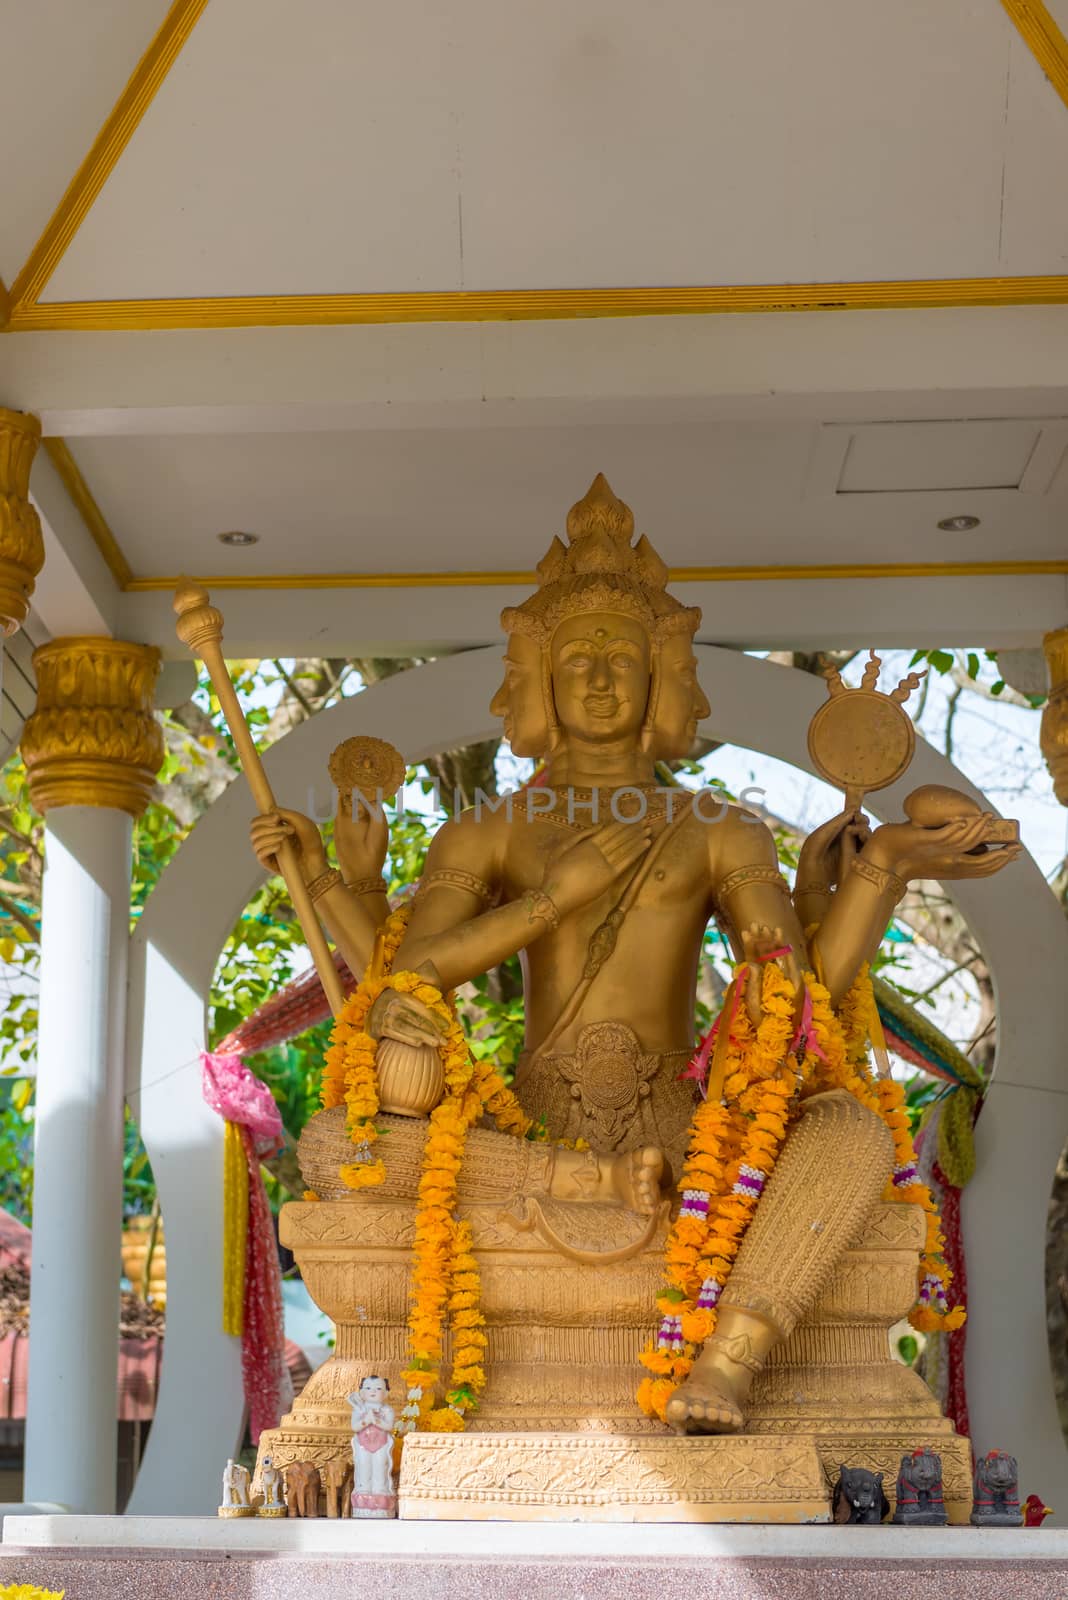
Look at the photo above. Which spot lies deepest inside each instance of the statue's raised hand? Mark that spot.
(594, 863)
(270, 830)
(955, 850)
(361, 835)
(830, 848)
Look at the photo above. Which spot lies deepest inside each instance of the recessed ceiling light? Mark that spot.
(237, 539)
(958, 524)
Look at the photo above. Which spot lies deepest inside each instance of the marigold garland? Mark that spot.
(733, 1148)
(445, 1277)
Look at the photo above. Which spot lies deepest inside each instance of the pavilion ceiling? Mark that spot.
(349, 163)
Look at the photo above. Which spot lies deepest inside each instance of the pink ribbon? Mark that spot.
(698, 1067)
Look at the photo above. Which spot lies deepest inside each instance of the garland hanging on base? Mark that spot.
(735, 1141)
(445, 1278)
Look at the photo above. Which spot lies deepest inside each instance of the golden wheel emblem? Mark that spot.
(860, 739)
(373, 766)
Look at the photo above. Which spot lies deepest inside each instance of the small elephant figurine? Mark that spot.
(996, 1492)
(859, 1497)
(302, 1489)
(337, 1486)
(920, 1501)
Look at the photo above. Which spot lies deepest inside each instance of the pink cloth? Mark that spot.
(372, 1437)
(239, 1096)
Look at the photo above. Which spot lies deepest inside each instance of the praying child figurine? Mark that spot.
(373, 1420)
(235, 1498)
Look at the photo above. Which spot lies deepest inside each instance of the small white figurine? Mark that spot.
(373, 1420)
(235, 1485)
(274, 1495)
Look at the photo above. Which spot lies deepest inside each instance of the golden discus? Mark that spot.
(373, 766)
(860, 739)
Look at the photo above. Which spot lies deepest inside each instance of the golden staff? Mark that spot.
(200, 626)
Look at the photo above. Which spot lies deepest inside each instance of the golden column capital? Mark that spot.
(94, 739)
(1053, 735)
(21, 545)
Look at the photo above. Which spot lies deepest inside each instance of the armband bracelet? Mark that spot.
(371, 885)
(814, 887)
(741, 877)
(324, 883)
(541, 907)
(880, 878)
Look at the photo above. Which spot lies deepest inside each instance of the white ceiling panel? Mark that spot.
(1035, 208)
(490, 499)
(63, 64)
(358, 147)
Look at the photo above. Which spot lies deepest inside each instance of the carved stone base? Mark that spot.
(598, 1477)
(564, 1331)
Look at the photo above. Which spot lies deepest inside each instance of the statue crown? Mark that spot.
(599, 569)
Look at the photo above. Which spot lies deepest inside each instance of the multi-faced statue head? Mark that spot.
(606, 653)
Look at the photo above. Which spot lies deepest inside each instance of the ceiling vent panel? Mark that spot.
(904, 457)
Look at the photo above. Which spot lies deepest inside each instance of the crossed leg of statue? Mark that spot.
(830, 1174)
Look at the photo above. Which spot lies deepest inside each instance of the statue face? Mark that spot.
(373, 1389)
(601, 676)
(520, 700)
(681, 703)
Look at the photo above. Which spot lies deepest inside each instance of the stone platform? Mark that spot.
(203, 1558)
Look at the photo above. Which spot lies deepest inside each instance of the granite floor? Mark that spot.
(102, 1574)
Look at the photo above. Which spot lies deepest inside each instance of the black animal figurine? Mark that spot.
(995, 1492)
(920, 1503)
(859, 1497)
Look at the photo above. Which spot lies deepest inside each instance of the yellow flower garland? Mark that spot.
(445, 1277)
(734, 1145)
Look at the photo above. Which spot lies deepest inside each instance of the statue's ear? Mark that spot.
(879, 1480)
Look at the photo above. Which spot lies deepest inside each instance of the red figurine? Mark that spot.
(1035, 1511)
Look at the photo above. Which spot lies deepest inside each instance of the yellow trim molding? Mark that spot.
(107, 147)
(90, 512)
(523, 305)
(482, 580)
(1044, 39)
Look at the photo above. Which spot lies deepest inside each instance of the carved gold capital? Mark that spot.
(93, 739)
(21, 546)
(1053, 735)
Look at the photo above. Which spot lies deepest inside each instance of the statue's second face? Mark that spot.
(681, 703)
(600, 673)
(520, 700)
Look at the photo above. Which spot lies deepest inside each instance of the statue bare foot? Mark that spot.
(631, 1179)
(705, 1403)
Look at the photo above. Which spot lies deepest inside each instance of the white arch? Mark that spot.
(445, 704)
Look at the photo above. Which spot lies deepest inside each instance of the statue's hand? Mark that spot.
(269, 831)
(361, 836)
(830, 848)
(593, 864)
(758, 942)
(956, 850)
(404, 1018)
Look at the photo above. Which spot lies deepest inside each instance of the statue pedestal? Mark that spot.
(604, 1477)
(564, 1325)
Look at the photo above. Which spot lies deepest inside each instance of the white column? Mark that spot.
(71, 1435)
(92, 748)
